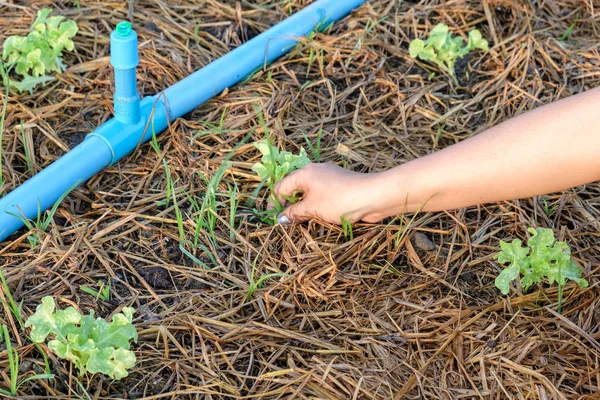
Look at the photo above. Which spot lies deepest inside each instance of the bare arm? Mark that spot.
(549, 149)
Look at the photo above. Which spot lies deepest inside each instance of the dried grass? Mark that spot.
(366, 318)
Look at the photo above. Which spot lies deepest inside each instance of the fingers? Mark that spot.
(295, 213)
(296, 181)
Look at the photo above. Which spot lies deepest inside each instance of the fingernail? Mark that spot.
(283, 220)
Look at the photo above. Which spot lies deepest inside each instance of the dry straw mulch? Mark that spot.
(405, 309)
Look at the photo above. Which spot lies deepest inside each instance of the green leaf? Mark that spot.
(112, 362)
(35, 63)
(260, 170)
(12, 45)
(276, 165)
(29, 83)
(53, 22)
(439, 30)
(39, 24)
(68, 29)
(429, 54)
(264, 147)
(572, 272)
(45, 321)
(299, 161)
(476, 41)
(23, 66)
(416, 47)
(457, 42)
(60, 38)
(280, 172)
(514, 254)
(116, 334)
(438, 36)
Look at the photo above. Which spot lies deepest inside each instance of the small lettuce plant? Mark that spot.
(543, 257)
(92, 344)
(443, 50)
(40, 52)
(275, 165)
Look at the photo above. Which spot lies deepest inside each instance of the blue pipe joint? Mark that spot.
(124, 58)
(122, 138)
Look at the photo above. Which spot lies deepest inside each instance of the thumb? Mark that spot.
(295, 213)
(295, 181)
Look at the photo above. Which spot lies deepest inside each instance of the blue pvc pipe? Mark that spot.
(187, 94)
(119, 136)
(75, 167)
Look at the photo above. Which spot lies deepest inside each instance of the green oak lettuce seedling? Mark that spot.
(544, 257)
(275, 164)
(40, 52)
(443, 49)
(92, 344)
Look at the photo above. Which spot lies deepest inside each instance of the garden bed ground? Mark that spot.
(406, 308)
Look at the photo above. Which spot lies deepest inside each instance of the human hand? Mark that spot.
(329, 193)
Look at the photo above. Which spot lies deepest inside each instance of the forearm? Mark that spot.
(552, 148)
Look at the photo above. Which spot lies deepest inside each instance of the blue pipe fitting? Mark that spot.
(122, 138)
(106, 145)
(124, 58)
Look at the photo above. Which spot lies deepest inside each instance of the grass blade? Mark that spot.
(57, 204)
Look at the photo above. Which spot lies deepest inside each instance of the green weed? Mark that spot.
(214, 129)
(258, 284)
(390, 269)
(568, 31)
(178, 216)
(233, 204)
(209, 203)
(12, 305)
(347, 228)
(13, 364)
(17, 310)
(315, 150)
(103, 293)
(305, 85)
(549, 210)
(193, 257)
(169, 186)
(26, 149)
(6, 80)
(40, 224)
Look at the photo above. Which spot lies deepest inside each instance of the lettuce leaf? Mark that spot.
(276, 164)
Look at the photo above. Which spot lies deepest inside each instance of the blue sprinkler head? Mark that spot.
(124, 58)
